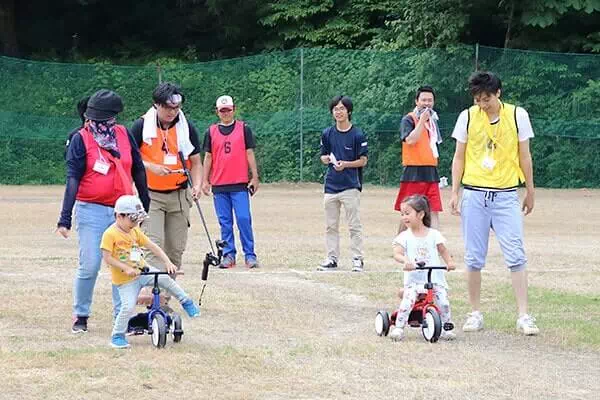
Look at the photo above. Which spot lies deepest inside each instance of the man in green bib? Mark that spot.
(491, 160)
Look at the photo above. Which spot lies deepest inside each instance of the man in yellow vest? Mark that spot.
(161, 134)
(492, 158)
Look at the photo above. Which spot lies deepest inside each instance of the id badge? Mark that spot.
(135, 255)
(488, 163)
(101, 167)
(170, 159)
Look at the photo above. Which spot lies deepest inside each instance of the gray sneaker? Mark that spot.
(328, 265)
(358, 265)
(227, 262)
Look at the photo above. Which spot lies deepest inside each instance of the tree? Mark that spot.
(327, 23)
(424, 24)
(8, 33)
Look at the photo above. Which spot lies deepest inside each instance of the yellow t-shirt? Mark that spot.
(120, 245)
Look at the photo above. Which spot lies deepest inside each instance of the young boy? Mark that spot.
(121, 250)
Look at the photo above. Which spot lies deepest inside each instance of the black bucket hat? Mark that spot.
(103, 105)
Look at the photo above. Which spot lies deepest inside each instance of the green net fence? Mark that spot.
(284, 95)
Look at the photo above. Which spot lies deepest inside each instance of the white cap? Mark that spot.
(224, 102)
(130, 205)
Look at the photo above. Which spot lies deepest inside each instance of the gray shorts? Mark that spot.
(483, 210)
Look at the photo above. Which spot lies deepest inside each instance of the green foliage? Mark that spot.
(423, 23)
(547, 12)
(329, 23)
(560, 92)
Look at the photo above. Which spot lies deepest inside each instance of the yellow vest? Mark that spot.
(500, 142)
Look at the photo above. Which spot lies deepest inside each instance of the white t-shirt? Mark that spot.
(523, 126)
(422, 249)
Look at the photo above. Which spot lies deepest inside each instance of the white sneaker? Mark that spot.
(397, 334)
(447, 335)
(526, 325)
(474, 322)
(358, 265)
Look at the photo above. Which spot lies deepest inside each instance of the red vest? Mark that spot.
(419, 153)
(229, 161)
(95, 187)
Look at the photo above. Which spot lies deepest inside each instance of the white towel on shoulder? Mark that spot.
(435, 137)
(181, 128)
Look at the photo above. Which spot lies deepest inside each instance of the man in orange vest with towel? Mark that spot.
(420, 138)
(161, 134)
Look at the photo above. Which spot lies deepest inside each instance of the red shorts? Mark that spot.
(431, 190)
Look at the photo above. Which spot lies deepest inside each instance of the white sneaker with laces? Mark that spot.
(397, 334)
(526, 325)
(358, 265)
(447, 335)
(474, 322)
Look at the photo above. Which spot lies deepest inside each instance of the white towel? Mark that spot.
(181, 128)
(435, 137)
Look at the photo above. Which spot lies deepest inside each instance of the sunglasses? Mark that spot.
(225, 110)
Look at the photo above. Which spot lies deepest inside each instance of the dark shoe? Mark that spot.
(327, 265)
(79, 325)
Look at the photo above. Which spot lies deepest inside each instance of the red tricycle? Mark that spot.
(425, 313)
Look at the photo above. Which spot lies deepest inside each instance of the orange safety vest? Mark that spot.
(419, 153)
(164, 142)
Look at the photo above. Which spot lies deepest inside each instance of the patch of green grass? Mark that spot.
(564, 318)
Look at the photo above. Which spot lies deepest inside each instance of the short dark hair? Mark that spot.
(424, 89)
(164, 91)
(82, 107)
(484, 82)
(346, 101)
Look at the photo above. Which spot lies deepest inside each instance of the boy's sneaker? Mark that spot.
(526, 325)
(79, 325)
(190, 308)
(358, 265)
(227, 262)
(447, 335)
(119, 342)
(327, 265)
(474, 322)
(397, 334)
(251, 262)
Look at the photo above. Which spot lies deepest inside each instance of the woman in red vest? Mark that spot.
(102, 161)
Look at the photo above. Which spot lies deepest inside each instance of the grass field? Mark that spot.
(286, 331)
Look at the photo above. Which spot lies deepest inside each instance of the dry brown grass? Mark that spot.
(286, 331)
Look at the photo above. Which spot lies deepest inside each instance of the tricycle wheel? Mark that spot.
(432, 325)
(159, 331)
(382, 323)
(177, 328)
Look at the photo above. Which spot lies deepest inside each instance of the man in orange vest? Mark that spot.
(420, 138)
(161, 134)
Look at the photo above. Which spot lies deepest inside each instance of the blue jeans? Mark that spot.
(226, 203)
(91, 220)
(128, 293)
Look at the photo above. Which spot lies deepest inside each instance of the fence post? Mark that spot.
(159, 72)
(477, 56)
(301, 114)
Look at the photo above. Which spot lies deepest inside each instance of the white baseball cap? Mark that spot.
(131, 206)
(224, 102)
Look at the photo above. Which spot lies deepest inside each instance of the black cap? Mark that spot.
(103, 105)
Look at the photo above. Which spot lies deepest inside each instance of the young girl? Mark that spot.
(420, 243)
(121, 249)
